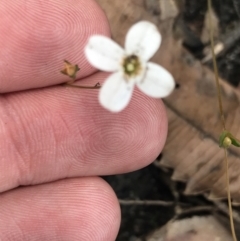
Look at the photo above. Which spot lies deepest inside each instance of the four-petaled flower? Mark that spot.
(130, 66)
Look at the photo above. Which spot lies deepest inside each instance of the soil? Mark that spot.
(150, 183)
(145, 184)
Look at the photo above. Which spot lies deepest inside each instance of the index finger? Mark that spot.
(36, 36)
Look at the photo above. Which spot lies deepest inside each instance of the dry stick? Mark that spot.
(145, 202)
(229, 197)
(224, 209)
(226, 42)
(216, 69)
(97, 86)
(222, 120)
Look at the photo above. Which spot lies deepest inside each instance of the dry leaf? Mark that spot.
(192, 229)
(168, 9)
(194, 124)
(206, 26)
(194, 128)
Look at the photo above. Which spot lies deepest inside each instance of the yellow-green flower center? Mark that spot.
(227, 142)
(131, 65)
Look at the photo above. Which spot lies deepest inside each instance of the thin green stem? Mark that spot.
(215, 67)
(229, 196)
(97, 86)
(222, 119)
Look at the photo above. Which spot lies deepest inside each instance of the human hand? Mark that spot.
(55, 140)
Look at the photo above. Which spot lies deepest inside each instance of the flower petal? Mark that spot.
(103, 53)
(115, 93)
(158, 82)
(143, 39)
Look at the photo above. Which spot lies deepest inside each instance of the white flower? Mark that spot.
(130, 66)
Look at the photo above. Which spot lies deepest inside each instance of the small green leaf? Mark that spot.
(222, 137)
(234, 140)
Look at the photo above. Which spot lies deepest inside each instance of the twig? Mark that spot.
(224, 208)
(215, 68)
(146, 202)
(194, 209)
(227, 42)
(229, 197)
(96, 86)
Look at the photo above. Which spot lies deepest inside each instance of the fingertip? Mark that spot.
(72, 209)
(72, 129)
(38, 36)
(132, 138)
(152, 128)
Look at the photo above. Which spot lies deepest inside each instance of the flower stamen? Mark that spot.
(131, 65)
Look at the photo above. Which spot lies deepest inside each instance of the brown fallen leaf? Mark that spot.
(194, 127)
(194, 124)
(192, 229)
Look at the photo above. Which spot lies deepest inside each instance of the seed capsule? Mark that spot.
(227, 142)
(226, 139)
(70, 69)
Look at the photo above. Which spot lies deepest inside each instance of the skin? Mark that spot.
(56, 140)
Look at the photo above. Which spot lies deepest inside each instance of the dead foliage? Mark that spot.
(194, 125)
